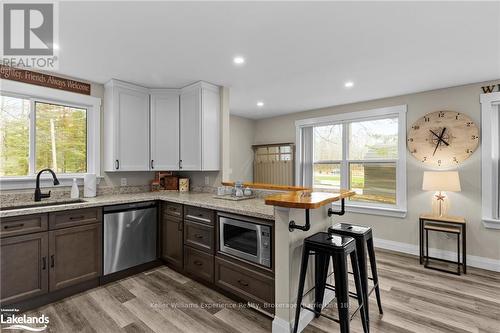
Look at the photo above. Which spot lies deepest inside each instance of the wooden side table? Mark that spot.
(453, 223)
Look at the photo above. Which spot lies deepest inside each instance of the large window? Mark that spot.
(490, 159)
(362, 151)
(46, 128)
(38, 135)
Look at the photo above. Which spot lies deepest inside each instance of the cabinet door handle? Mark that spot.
(44, 263)
(52, 261)
(180, 164)
(81, 217)
(117, 164)
(179, 226)
(152, 164)
(243, 283)
(198, 236)
(12, 226)
(198, 263)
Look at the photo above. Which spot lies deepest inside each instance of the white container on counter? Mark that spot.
(75, 193)
(89, 185)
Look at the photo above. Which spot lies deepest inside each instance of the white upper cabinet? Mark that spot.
(164, 118)
(200, 127)
(126, 127)
(161, 129)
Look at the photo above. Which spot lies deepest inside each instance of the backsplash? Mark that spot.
(10, 197)
(57, 193)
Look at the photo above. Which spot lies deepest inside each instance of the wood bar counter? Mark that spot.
(306, 199)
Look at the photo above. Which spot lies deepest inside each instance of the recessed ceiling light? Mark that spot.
(349, 84)
(239, 60)
(260, 104)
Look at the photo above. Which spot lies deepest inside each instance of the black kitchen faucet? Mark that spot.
(38, 194)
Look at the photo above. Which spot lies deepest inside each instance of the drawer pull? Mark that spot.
(243, 283)
(81, 217)
(44, 263)
(198, 263)
(198, 236)
(52, 261)
(198, 218)
(12, 226)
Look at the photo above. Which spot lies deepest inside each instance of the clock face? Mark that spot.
(443, 138)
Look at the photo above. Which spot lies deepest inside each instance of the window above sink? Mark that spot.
(47, 128)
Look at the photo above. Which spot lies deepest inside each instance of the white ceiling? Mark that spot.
(298, 54)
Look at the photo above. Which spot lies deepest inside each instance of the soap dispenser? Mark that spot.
(75, 193)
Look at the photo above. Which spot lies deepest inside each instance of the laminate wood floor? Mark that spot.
(414, 300)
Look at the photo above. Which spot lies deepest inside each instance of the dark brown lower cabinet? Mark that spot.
(248, 284)
(74, 255)
(172, 241)
(199, 264)
(24, 267)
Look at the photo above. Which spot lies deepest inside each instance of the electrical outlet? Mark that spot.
(123, 182)
(207, 180)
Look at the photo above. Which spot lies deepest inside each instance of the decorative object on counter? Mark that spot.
(168, 181)
(443, 138)
(183, 184)
(234, 197)
(221, 190)
(441, 181)
(248, 192)
(238, 189)
(89, 185)
(155, 185)
(75, 193)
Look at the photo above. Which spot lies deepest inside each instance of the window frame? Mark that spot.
(53, 96)
(490, 159)
(399, 111)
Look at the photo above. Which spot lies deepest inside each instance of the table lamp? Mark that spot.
(440, 182)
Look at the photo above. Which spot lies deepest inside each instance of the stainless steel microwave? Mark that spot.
(245, 238)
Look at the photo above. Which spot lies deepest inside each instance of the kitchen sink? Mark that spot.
(41, 204)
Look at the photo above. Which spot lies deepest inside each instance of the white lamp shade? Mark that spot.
(441, 181)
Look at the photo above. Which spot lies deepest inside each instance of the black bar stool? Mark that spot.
(364, 240)
(325, 246)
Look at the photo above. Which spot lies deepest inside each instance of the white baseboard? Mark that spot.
(473, 261)
(283, 326)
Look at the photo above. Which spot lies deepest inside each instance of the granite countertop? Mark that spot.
(251, 207)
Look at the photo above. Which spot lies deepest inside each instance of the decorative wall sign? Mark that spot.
(491, 88)
(443, 138)
(44, 80)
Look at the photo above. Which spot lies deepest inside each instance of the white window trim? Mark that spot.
(490, 159)
(93, 105)
(398, 210)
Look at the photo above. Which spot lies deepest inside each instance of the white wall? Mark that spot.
(242, 133)
(481, 242)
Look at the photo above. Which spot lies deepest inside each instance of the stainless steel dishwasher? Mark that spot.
(130, 234)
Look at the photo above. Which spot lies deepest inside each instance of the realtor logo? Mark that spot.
(30, 35)
(28, 29)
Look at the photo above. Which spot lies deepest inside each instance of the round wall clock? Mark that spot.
(443, 138)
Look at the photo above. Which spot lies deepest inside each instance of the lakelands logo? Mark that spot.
(29, 35)
(33, 324)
